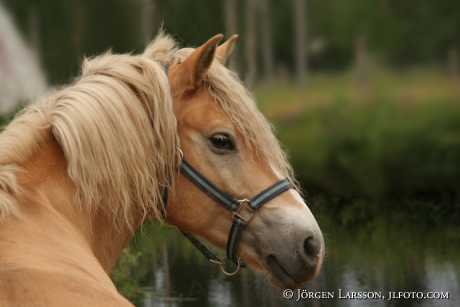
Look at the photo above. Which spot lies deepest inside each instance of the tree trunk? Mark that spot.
(148, 10)
(361, 65)
(300, 31)
(250, 42)
(453, 64)
(266, 35)
(231, 27)
(78, 26)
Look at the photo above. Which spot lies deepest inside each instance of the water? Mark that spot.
(379, 258)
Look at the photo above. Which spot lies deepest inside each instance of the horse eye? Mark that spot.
(222, 142)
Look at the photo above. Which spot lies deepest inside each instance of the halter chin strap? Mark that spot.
(243, 211)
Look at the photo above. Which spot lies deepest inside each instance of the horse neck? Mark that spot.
(50, 219)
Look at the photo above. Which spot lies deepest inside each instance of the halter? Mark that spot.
(242, 210)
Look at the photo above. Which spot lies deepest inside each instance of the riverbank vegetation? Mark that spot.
(390, 144)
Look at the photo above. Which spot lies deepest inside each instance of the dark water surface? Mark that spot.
(379, 258)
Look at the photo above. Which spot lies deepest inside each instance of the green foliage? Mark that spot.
(400, 32)
(125, 277)
(377, 149)
(397, 32)
(395, 150)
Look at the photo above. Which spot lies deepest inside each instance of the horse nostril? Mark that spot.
(311, 246)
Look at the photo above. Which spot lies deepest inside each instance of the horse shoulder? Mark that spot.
(36, 288)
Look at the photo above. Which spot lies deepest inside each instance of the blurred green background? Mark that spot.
(364, 96)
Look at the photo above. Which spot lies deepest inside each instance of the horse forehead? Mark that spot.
(202, 110)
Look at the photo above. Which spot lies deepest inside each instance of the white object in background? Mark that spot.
(21, 77)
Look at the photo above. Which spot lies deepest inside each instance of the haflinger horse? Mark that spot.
(170, 134)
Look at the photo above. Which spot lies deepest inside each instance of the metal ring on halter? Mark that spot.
(223, 269)
(218, 262)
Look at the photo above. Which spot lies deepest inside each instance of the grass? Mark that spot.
(410, 88)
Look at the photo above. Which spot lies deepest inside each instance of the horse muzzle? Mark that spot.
(289, 245)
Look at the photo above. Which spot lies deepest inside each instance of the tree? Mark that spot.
(300, 26)
(250, 42)
(78, 23)
(231, 27)
(361, 65)
(148, 9)
(453, 64)
(267, 38)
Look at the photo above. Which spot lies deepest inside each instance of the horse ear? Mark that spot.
(225, 50)
(196, 65)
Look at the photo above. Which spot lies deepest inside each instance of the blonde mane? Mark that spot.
(236, 102)
(117, 130)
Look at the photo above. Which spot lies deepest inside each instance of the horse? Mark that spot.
(84, 167)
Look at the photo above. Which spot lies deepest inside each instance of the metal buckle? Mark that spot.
(244, 212)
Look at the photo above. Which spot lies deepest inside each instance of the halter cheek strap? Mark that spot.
(243, 211)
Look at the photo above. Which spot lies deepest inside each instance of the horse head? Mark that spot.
(230, 145)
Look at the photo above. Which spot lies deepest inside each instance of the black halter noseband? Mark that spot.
(243, 211)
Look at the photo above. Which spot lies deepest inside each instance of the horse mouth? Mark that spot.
(279, 275)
